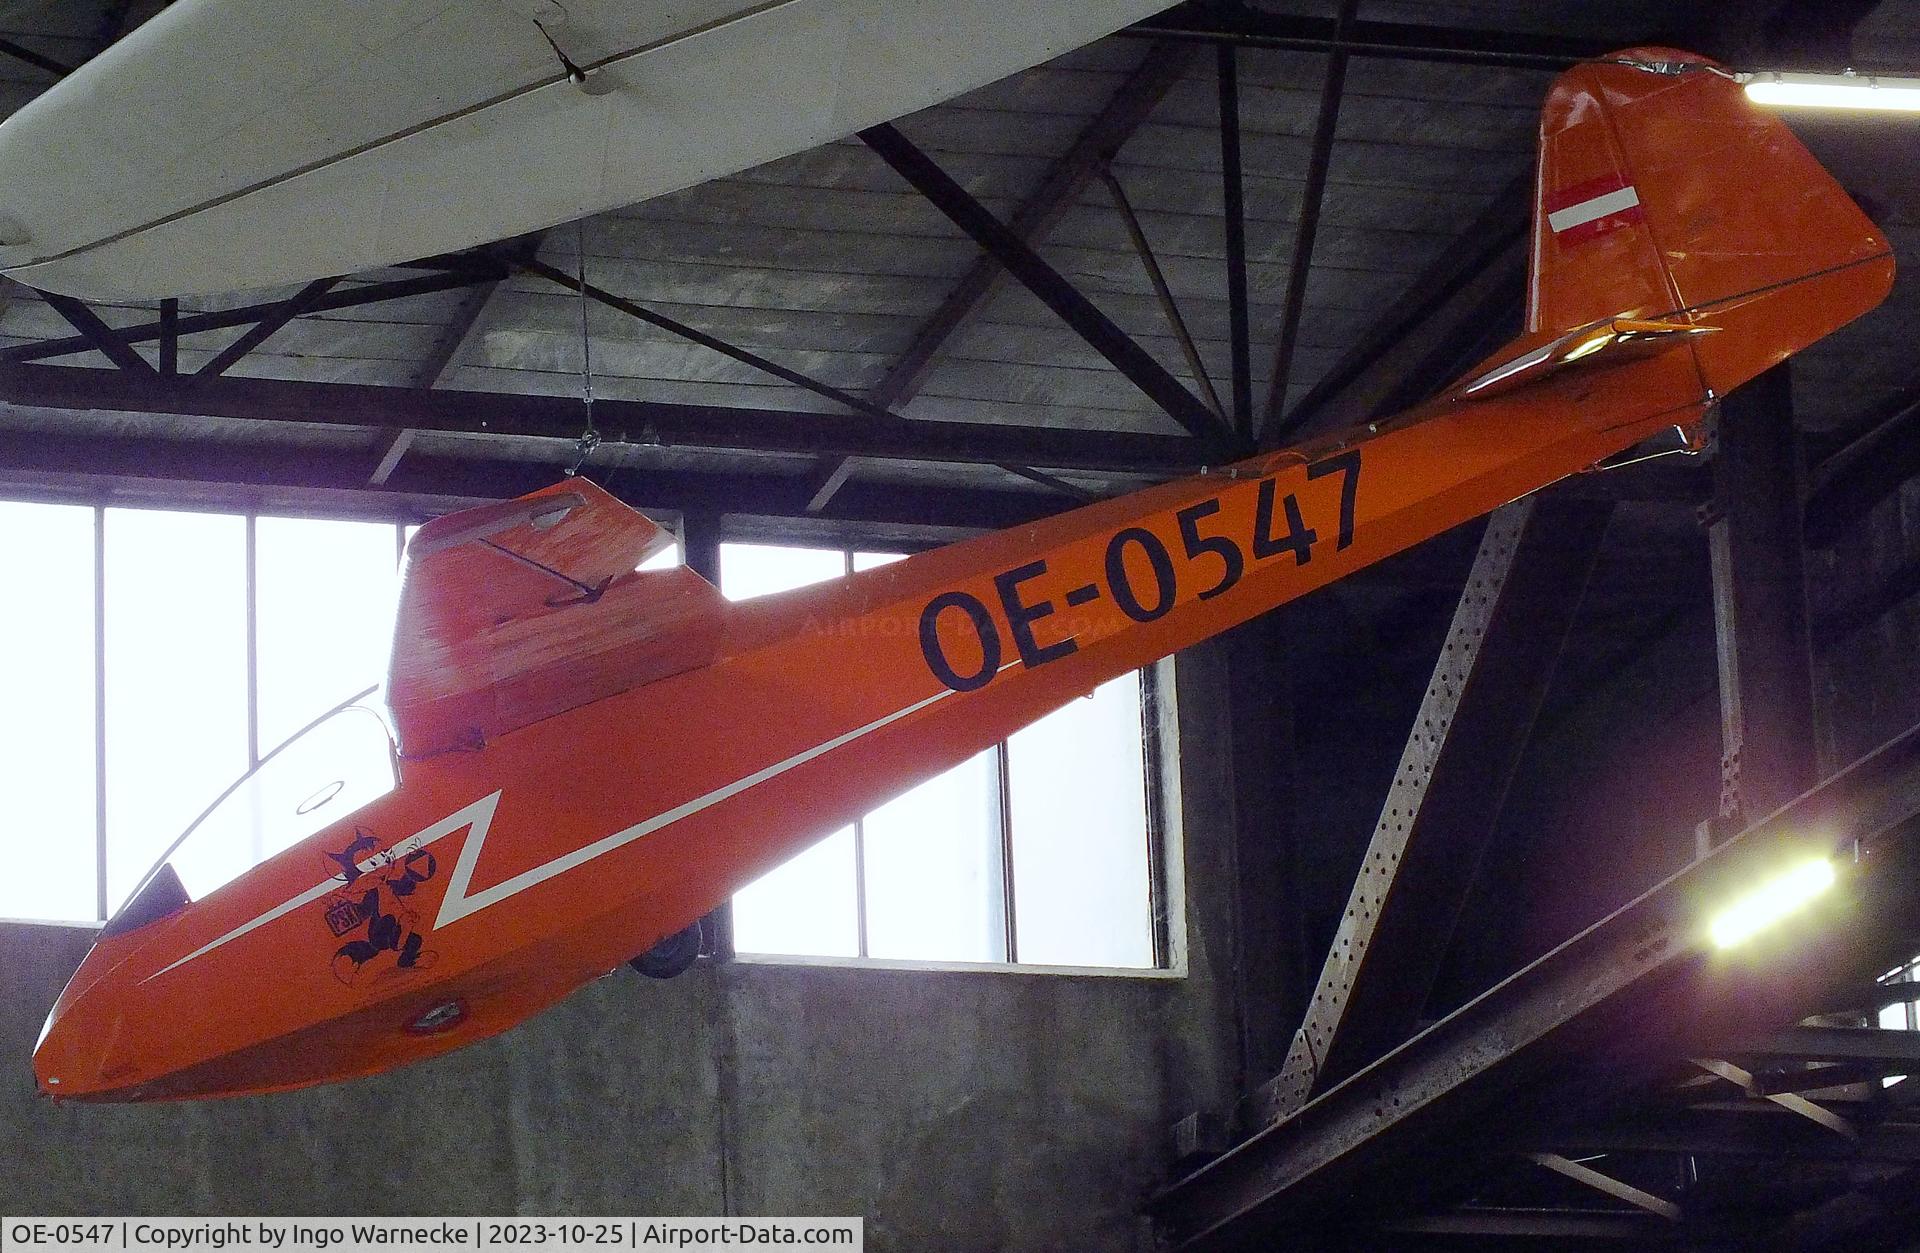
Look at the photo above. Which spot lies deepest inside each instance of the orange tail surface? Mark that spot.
(1671, 212)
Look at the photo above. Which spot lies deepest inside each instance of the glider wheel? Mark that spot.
(671, 956)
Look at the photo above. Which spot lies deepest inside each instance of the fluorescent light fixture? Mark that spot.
(1835, 91)
(1782, 895)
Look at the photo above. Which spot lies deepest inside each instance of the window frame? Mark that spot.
(104, 906)
(1166, 880)
(1905, 972)
(1165, 886)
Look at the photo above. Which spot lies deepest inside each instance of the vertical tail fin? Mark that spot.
(1666, 200)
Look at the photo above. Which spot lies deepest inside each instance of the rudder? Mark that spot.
(1664, 195)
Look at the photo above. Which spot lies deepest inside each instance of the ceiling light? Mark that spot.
(1834, 91)
(1784, 894)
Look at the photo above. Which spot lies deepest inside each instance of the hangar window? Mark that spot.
(157, 656)
(1899, 1008)
(1038, 851)
(153, 657)
(1901, 1014)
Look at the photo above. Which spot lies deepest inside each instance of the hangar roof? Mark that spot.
(829, 265)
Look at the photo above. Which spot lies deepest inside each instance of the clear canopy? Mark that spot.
(324, 772)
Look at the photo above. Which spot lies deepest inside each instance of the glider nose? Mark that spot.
(74, 1055)
(63, 1064)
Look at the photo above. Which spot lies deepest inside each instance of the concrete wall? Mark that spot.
(953, 1109)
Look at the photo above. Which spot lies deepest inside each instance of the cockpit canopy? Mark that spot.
(337, 764)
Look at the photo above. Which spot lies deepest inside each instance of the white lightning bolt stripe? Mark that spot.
(457, 904)
(479, 815)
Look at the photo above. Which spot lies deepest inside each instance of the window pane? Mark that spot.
(46, 691)
(935, 883)
(750, 570)
(176, 678)
(1901, 1015)
(803, 907)
(328, 772)
(934, 886)
(806, 907)
(326, 601)
(667, 558)
(1078, 793)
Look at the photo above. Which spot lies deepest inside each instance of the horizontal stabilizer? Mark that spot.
(1610, 341)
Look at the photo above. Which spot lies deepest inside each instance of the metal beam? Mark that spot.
(1272, 962)
(1394, 362)
(1848, 485)
(1618, 1003)
(1056, 192)
(246, 315)
(467, 312)
(1169, 307)
(1051, 198)
(96, 335)
(1872, 996)
(1793, 1103)
(1753, 1129)
(170, 336)
(1307, 226)
(391, 451)
(1053, 290)
(1836, 621)
(1832, 1044)
(647, 424)
(831, 477)
(180, 474)
(1233, 195)
(1760, 601)
(1878, 1212)
(20, 52)
(446, 347)
(1052, 483)
(1439, 815)
(1243, 24)
(267, 327)
(1801, 1078)
(1607, 1185)
(712, 343)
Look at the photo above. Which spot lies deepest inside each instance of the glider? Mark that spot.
(588, 758)
(230, 144)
